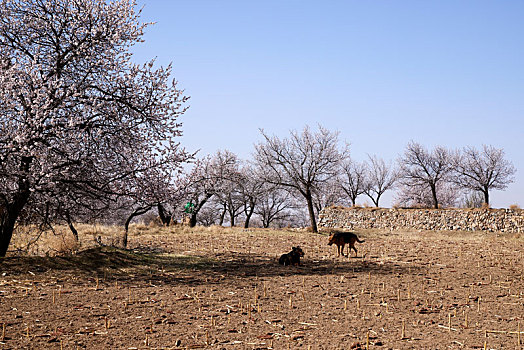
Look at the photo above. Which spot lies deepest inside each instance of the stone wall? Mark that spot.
(502, 220)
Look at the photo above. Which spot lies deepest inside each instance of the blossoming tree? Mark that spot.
(77, 116)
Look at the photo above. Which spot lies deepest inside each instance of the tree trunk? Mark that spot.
(137, 212)
(249, 212)
(434, 194)
(248, 218)
(165, 217)
(7, 224)
(71, 227)
(126, 230)
(375, 201)
(231, 218)
(311, 210)
(222, 216)
(196, 209)
(10, 213)
(486, 196)
(265, 223)
(231, 211)
(193, 220)
(8, 217)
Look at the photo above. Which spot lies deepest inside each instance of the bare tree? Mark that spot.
(300, 163)
(326, 194)
(226, 171)
(380, 178)
(213, 176)
(420, 168)
(483, 170)
(252, 187)
(353, 179)
(274, 205)
(151, 189)
(199, 187)
(234, 203)
(420, 196)
(160, 189)
(472, 199)
(209, 215)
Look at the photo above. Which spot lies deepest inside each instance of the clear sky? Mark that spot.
(382, 73)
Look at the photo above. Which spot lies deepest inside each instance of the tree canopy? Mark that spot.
(77, 117)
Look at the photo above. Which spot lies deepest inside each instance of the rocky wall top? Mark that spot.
(503, 220)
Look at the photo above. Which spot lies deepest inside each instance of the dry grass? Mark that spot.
(32, 241)
(29, 240)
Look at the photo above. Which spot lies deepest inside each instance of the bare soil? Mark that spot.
(225, 290)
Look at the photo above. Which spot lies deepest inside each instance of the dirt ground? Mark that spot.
(213, 289)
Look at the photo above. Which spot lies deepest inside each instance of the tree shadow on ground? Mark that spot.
(158, 266)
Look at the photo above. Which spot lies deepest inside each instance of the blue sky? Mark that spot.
(382, 73)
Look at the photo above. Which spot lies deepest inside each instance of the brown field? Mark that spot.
(210, 288)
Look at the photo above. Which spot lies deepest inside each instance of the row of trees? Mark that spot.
(86, 134)
(295, 177)
(436, 177)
